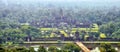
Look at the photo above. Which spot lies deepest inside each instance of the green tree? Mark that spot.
(31, 49)
(13, 49)
(42, 49)
(21, 49)
(106, 47)
(2, 49)
(108, 28)
(116, 34)
(71, 48)
(53, 49)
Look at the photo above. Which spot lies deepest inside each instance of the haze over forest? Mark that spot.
(21, 10)
(67, 3)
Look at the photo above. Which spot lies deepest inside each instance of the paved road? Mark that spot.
(83, 47)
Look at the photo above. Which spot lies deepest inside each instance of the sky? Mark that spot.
(70, 0)
(80, 0)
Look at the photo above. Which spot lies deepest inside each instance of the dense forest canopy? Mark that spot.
(26, 14)
(36, 12)
(58, 20)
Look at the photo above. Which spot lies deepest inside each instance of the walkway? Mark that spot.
(83, 47)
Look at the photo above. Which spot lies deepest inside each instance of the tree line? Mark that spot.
(65, 48)
(104, 47)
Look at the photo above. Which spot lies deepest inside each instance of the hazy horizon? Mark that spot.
(87, 3)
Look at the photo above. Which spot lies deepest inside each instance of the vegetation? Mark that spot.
(107, 48)
(104, 47)
(53, 49)
(71, 48)
(24, 21)
(111, 29)
(17, 33)
(42, 49)
(68, 47)
(44, 21)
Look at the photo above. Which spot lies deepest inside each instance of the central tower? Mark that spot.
(61, 14)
